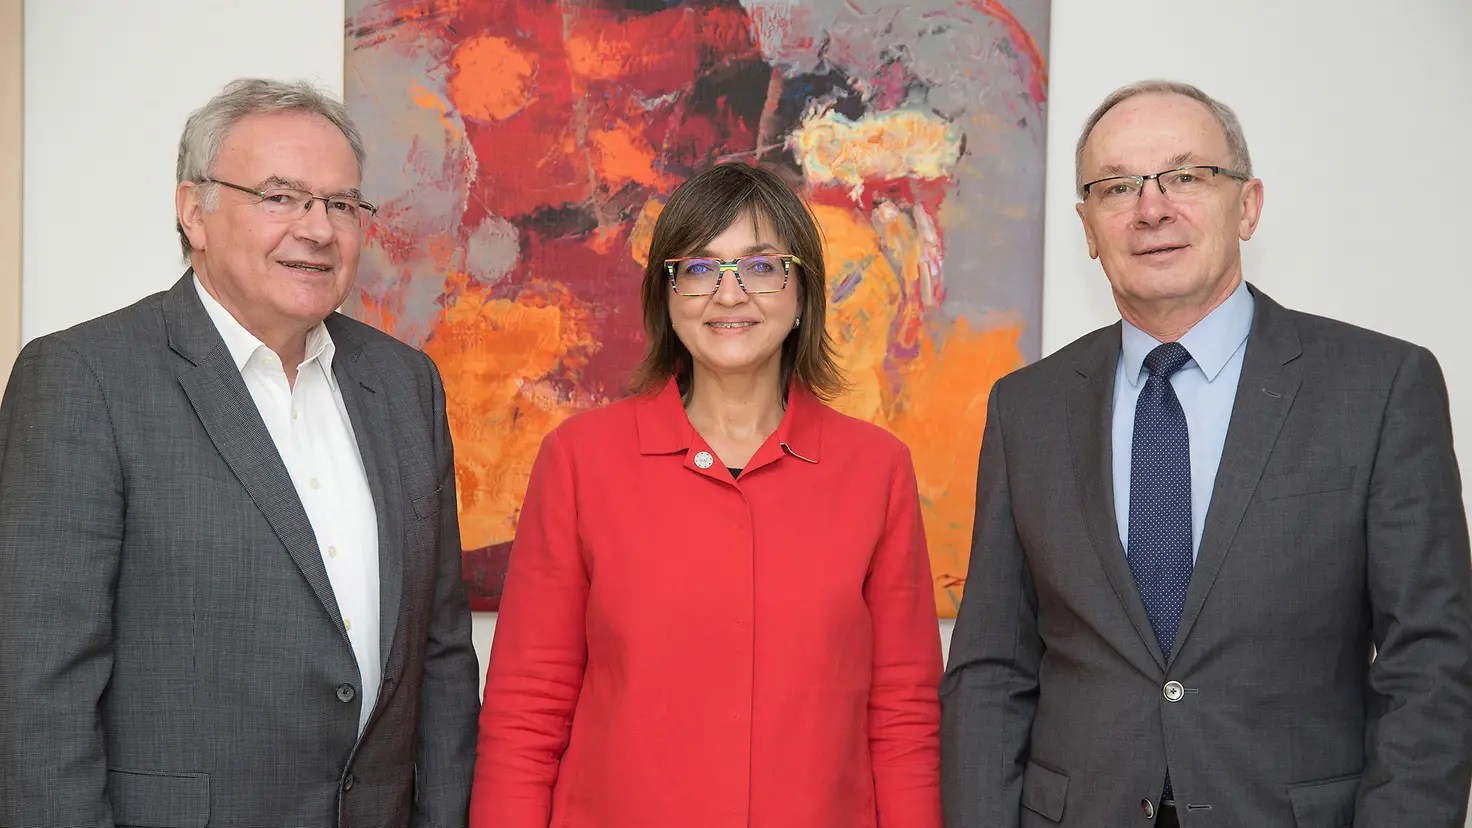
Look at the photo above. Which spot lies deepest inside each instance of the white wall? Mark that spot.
(107, 88)
(1359, 116)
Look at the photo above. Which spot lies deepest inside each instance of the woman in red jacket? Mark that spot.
(719, 610)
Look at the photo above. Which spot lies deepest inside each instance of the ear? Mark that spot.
(189, 211)
(1088, 231)
(1251, 205)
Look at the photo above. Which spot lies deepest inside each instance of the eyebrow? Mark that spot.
(760, 247)
(1175, 161)
(294, 184)
(278, 181)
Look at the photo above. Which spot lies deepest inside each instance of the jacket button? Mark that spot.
(1148, 808)
(1173, 691)
(345, 693)
(347, 782)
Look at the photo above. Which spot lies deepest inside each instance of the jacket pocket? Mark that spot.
(1044, 790)
(148, 799)
(427, 506)
(1328, 803)
(1306, 482)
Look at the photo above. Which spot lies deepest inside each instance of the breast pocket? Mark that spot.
(1306, 482)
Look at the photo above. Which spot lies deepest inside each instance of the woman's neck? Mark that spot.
(735, 413)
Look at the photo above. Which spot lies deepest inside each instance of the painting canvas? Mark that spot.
(521, 151)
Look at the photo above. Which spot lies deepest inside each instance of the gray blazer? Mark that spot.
(1336, 526)
(171, 653)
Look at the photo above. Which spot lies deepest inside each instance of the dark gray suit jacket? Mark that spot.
(171, 653)
(1336, 525)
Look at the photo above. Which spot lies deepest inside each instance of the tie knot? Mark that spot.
(1167, 359)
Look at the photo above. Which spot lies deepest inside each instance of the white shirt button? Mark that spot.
(316, 484)
(347, 624)
(704, 460)
(332, 551)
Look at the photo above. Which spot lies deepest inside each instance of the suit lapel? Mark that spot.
(368, 411)
(1090, 421)
(224, 405)
(1265, 393)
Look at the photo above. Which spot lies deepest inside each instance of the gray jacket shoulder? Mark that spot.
(1054, 374)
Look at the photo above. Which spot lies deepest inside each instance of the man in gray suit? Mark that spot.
(230, 584)
(1219, 574)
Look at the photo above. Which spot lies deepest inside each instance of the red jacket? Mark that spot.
(678, 648)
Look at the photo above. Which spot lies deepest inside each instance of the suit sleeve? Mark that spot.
(904, 713)
(990, 691)
(445, 755)
(1419, 740)
(61, 531)
(538, 658)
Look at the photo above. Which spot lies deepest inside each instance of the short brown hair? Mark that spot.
(698, 211)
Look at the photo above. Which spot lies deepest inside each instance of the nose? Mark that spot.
(1152, 207)
(730, 292)
(313, 224)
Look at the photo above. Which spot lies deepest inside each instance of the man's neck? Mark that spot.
(287, 341)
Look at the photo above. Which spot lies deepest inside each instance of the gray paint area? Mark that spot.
(963, 66)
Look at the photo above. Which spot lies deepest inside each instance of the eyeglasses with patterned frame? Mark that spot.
(701, 275)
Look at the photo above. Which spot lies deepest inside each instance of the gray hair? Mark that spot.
(1236, 140)
(208, 126)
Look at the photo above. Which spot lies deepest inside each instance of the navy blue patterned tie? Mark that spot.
(1160, 499)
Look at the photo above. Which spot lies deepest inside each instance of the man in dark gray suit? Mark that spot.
(230, 584)
(1219, 574)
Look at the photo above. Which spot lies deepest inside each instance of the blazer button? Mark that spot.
(1173, 691)
(347, 782)
(1148, 808)
(345, 693)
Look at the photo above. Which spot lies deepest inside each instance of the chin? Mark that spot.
(738, 363)
(1157, 286)
(312, 312)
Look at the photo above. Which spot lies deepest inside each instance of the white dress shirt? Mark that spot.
(309, 424)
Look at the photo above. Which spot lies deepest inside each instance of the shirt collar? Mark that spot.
(243, 344)
(664, 427)
(1211, 342)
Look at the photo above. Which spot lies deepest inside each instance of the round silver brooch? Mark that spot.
(704, 460)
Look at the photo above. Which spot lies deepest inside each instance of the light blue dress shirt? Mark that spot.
(1206, 387)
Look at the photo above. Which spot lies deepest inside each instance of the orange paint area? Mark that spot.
(924, 380)
(495, 356)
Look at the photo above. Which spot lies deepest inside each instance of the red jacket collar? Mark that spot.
(664, 428)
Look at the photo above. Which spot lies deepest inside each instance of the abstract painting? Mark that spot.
(521, 151)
